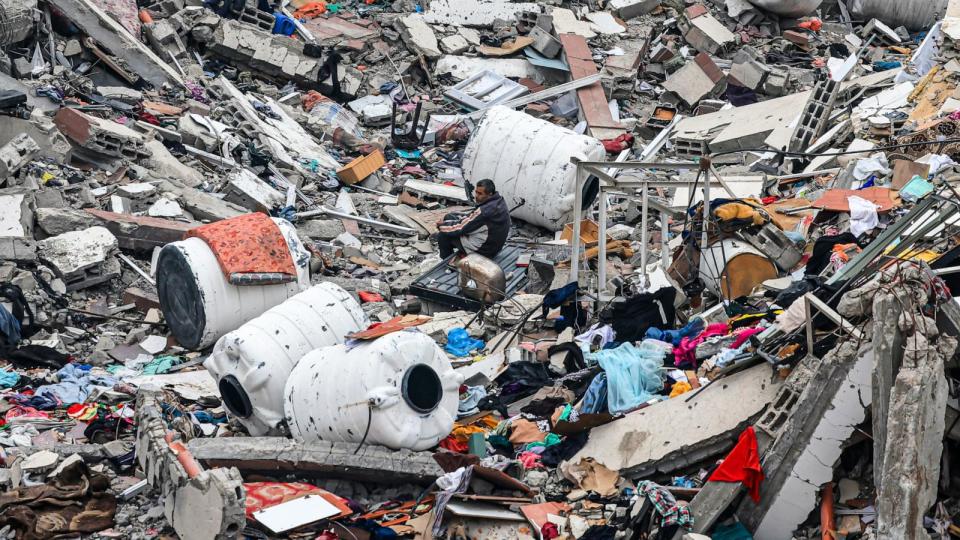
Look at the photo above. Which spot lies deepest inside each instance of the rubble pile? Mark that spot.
(478, 269)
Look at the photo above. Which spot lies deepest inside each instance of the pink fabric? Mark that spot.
(744, 335)
(684, 354)
(530, 460)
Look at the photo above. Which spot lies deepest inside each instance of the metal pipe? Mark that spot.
(324, 211)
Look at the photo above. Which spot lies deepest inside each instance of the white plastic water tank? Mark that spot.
(199, 304)
(398, 389)
(529, 159)
(788, 8)
(252, 363)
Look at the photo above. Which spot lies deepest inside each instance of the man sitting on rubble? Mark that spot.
(483, 231)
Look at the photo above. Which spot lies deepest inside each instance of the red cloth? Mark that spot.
(367, 296)
(549, 531)
(619, 144)
(247, 244)
(742, 464)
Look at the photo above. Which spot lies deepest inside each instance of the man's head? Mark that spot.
(484, 190)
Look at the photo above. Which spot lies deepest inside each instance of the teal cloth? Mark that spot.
(161, 364)
(8, 379)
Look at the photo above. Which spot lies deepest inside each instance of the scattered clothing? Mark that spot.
(633, 374)
(670, 512)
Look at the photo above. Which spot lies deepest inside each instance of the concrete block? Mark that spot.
(471, 35)
(100, 136)
(17, 249)
(121, 93)
(695, 80)
(628, 9)
(544, 42)
(138, 190)
(707, 34)
(749, 72)
(72, 253)
(56, 221)
(454, 44)
(418, 35)
(17, 153)
(246, 190)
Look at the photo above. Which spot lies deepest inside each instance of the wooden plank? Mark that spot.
(594, 107)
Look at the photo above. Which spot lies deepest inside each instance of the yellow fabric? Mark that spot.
(731, 211)
(462, 432)
(680, 387)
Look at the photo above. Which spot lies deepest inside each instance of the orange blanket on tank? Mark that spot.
(250, 248)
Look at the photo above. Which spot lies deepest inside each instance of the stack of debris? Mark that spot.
(479, 269)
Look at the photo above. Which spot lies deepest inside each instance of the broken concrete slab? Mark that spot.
(604, 23)
(463, 67)
(696, 80)
(641, 444)
(273, 455)
(566, 22)
(96, 23)
(56, 221)
(17, 153)
(476, 12)
(709, 35)
(418, 35)
(454, 44)
(246, 190)
(271, 55)
(74, 252)
(628, 9)
(101, 136)
(140, 233)
(16, 216)
(809, 440)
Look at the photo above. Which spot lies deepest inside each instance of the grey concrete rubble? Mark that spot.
(479, 268)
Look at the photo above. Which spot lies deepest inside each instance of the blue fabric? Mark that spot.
(673, 337)
(459, 342)
(633, 374)
(10, 326)
(8, 379)
(283, 25)
(595, 400)
(885, 65)
(75, 384)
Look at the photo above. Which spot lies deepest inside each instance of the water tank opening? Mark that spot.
(421, 388)
(235, 397)
(591, 188)
(180, 297)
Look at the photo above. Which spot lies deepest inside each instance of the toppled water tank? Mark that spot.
(529, 159)
(914, 14)
(788, 8)
(399, 390)
(200, 305)
(252, 363)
